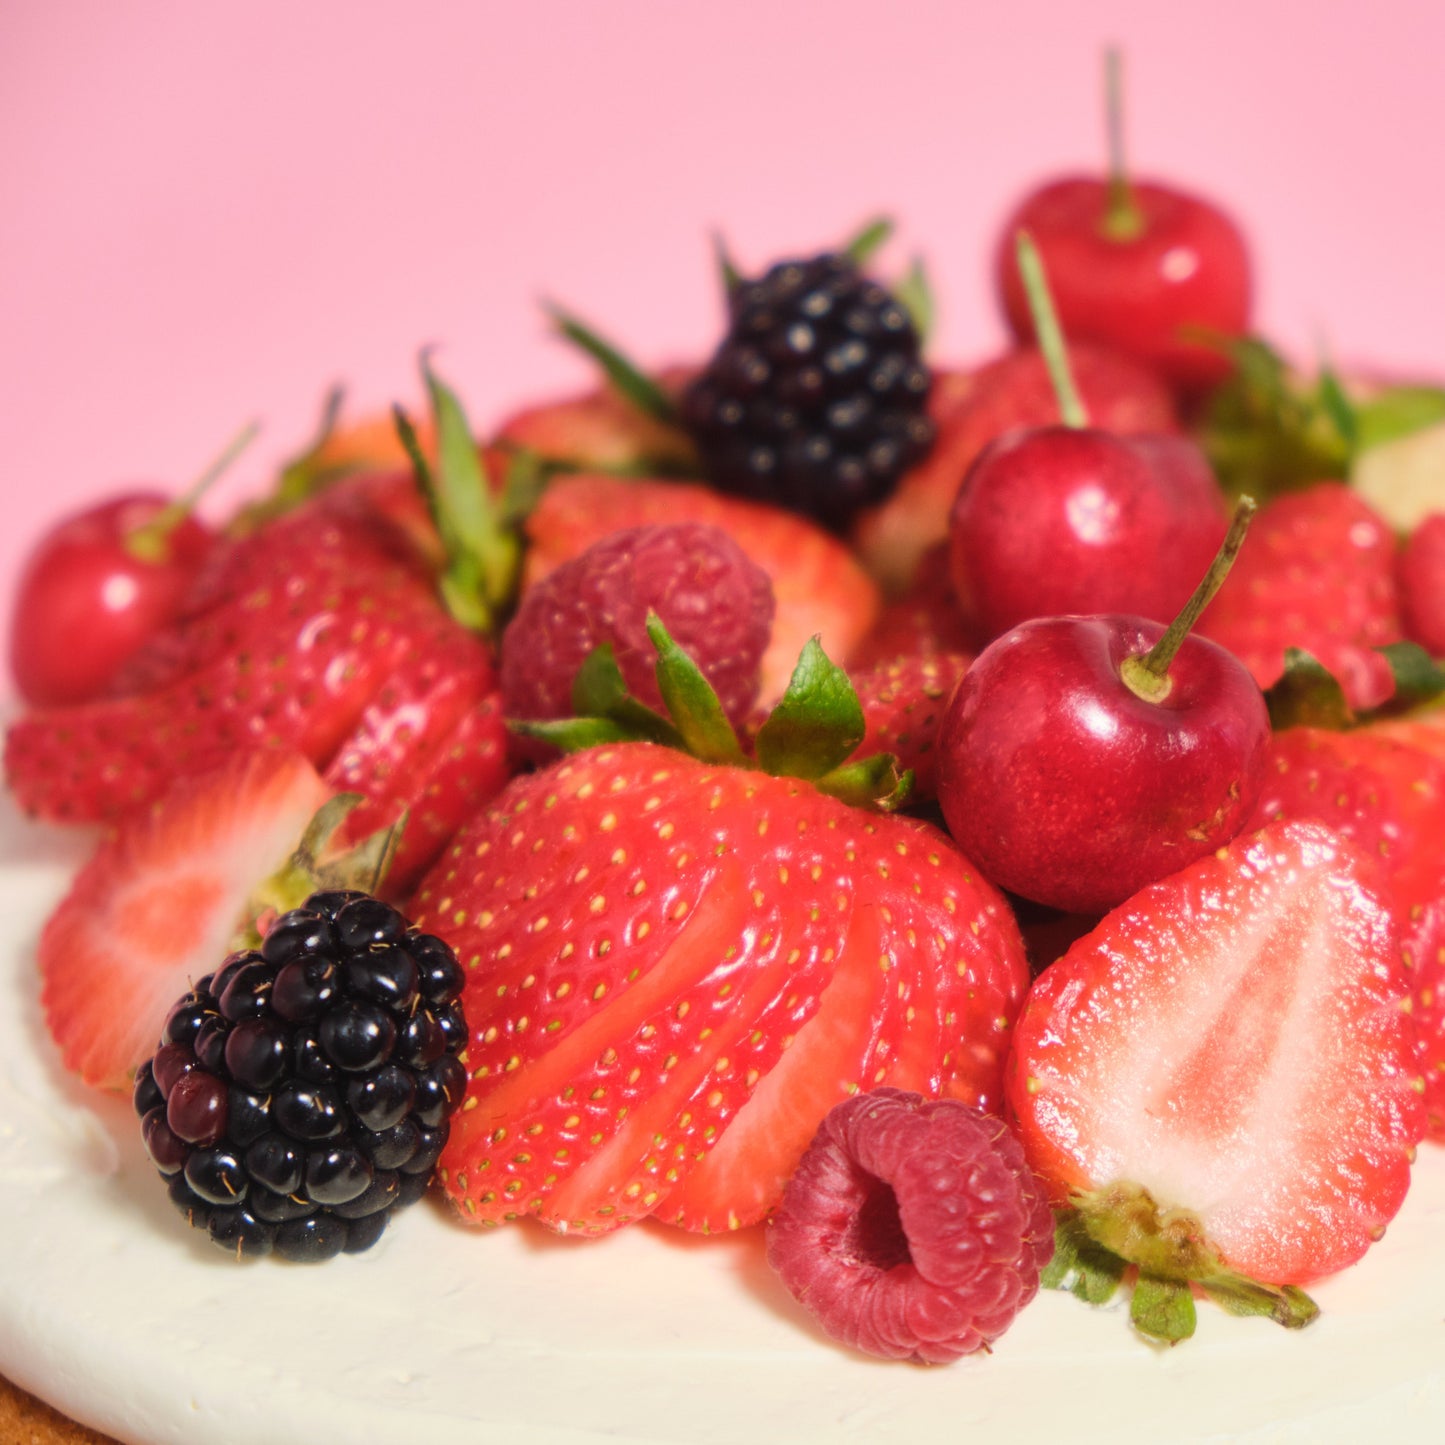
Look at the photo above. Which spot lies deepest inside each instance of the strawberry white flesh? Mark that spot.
(158, 903)
(1233, 1040)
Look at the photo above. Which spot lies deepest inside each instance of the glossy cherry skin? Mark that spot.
(1187, 267)
(86, 603)
(1066, 787)
(1059, 520)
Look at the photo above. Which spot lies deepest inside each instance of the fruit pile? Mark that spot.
(983, 824)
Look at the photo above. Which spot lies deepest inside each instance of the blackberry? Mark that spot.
(302, 1093)
(816, 399)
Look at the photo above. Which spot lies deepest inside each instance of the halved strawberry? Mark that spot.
(818, 585)
(647, 936)
(1221, 1077)
(157, 905)
(1317, 573)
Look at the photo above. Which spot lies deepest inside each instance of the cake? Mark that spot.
(440, 1332)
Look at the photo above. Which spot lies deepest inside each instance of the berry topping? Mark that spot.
(816, 398)
(714, 601)
(913, 1228)
(353, 1091)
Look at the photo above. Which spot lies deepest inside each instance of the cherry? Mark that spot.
(1060, 519)
(1136, 264)
(102, 582)
(1082, 758)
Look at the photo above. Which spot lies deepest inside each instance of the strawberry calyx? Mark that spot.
(483, 551)
(302, 476)
(310, 868)
(811, 733)
(1266, 431)
(1120, 1227)
(1308, 694)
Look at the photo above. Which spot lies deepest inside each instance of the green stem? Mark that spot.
(148, 542)
(1148, 676)
(1123, 221)
(1048, 331)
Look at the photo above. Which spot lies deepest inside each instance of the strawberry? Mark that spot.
(903, 704)
(1318, 573)
(818, 585)
(652, 940)
(922, 621)
(1221, 1076)
(158, 904)
(1383, 788)
(1422, 584)
(308, 619)
(603, 431)
(969, 410)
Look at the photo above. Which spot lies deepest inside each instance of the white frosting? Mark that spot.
(114, 1311)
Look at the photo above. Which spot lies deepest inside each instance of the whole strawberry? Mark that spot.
(1318, 574)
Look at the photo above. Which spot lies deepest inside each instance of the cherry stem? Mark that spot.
(1148, 676)
(1122, 218)
(1048, 331)
(148, 542)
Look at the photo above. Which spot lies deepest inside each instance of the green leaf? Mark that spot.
(818, 723)
(600, 691)
(731, 277)
(873, 782)
(1080, 1264)
(522, 487)
(864, 245)
(483, 552)
(1266, 433)
(1418, 677)
(573, 734)
(696, 712)
(915, 295)
(1162, 1309)
(1307, 694)
(1339, 408)
(1397, 412)
(1284, 1304)
(629, 380)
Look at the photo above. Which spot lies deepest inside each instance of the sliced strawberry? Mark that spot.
(818, 585)
(970, 409)
(648, 936)
(158, 903)
(408, 753)
(903, 705)
(1227, 1062)
(1317, 573)
(918, 1002)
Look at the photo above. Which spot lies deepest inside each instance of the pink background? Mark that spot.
(210, 212)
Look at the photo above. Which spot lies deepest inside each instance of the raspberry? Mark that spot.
(912, 1228)
(816, 399)
(715, 602)
(302, 1092)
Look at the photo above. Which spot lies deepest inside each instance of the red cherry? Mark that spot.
(101, 583)
(1134, 264)
(1187, 267)
(1082, 758)
(1071, 519)
(86, 602)
(1060, 520)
